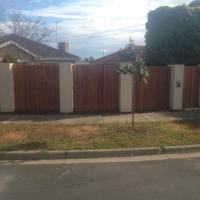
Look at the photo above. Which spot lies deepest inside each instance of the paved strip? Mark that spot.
(98, 119)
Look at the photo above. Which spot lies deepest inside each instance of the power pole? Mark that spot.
(56, 31)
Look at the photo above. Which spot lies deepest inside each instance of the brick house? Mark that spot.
(24, 49)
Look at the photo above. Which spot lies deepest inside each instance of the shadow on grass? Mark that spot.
(43, 117)
(190, 124)
(25, 146)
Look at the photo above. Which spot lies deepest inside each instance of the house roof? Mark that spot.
(35, 48)
(116, 57)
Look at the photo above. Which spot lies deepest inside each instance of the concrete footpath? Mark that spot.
(72, 119)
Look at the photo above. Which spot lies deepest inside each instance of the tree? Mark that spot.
(173, 36)
(9, 59)
(136, 68)
(89, 59)
(195, 3)
(28, 27)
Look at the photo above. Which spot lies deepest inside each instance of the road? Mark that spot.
(165, 178)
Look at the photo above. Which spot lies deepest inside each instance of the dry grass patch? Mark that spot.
(66, 137)
(13, 136)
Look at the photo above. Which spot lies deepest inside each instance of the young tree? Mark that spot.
(134, 67)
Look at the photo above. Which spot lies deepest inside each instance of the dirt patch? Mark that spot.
(14, 136)
(83, 131)
(76, 131)
(81, 134)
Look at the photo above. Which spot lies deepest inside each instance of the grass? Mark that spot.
(65, 137)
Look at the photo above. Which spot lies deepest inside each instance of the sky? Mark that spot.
(92, 27)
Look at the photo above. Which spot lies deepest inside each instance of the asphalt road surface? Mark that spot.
(165, 179)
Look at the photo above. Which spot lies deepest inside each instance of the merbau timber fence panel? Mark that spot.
(155, 95)
(96, 88)
(36, 88)
(191, 87)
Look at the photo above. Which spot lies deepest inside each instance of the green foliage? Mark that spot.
(136, 66)
(9, 59)
(173, 36)
(89, 59)
(195, 3)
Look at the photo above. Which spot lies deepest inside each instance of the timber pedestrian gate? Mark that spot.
(155, 95)
(191, 87)
(96, 88)
(36, 88)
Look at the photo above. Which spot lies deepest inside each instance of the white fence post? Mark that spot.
(7, 97)
(199, 92)
(176, 87)
(126, 93)
(66, 87)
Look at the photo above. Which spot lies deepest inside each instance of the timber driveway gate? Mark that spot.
(96, 88)
(36, 88)
(191, 87)
(155, 95)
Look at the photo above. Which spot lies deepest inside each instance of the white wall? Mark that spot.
(176, 93)
(126, 93)
(7, 100)
(66, 87)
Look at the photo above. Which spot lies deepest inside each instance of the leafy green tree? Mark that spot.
(173, 36)
(134, 67)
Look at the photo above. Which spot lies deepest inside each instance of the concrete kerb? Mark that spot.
(56, 155)
(180, 149)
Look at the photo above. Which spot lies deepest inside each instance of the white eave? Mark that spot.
(18, 46)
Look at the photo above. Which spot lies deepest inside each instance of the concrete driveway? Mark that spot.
(98, 119)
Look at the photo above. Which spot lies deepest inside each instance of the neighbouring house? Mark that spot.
(25, 50)
(116, 57)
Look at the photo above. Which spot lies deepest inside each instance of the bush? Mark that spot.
(173, 36)
(9, 59)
